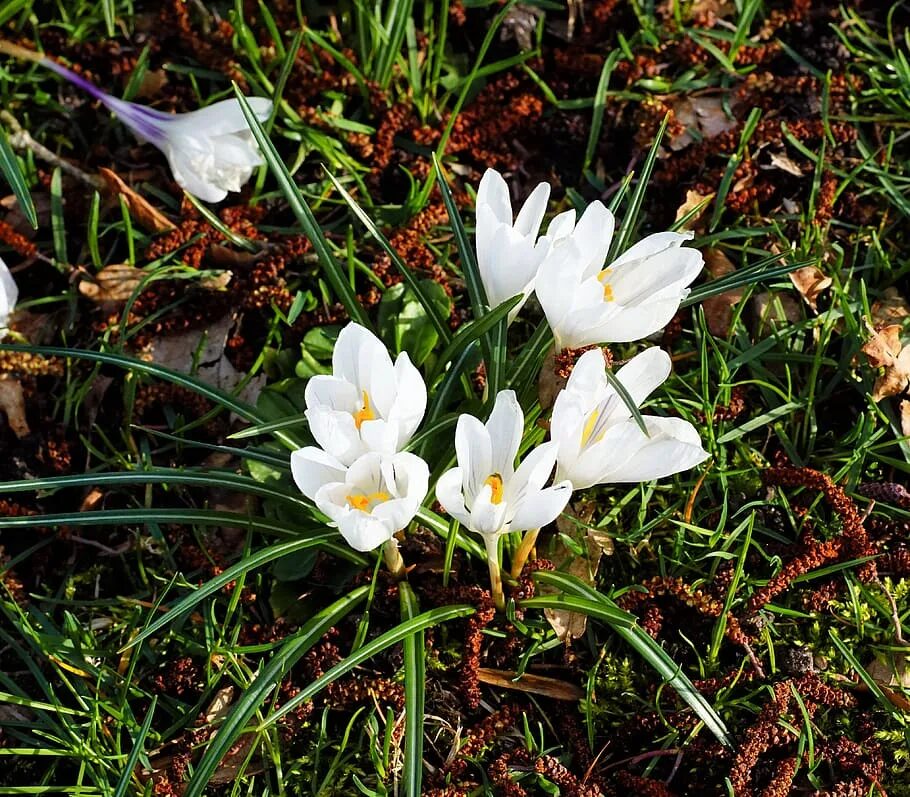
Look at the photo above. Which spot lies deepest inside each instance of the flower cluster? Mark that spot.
(363, 416)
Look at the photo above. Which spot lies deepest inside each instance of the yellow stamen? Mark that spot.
(363, 502)
(366, 414)
(495, 484)
(608, 289)
(589, 428)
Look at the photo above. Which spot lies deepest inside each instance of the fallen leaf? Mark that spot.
(884, 350)
(773, 310)
(810, 282)
(704, 117)
(892, 677)
(147, 216)
(218, 709)
(891, 308)
(12, 404)
(152, 83)
(780, 160)
(114, 283)
(905, 418)
(693, 200)
(535, 684)
(719, 309)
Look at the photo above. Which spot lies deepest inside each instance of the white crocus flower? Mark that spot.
(487, 494)
(368, 403)
(633, 297)
(9, 294)
(375, 497)
(599, 442)
(210, 151)
(509, 254)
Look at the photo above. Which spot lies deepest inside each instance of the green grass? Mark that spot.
(175, 614)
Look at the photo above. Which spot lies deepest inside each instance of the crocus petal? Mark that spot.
(186, 165)
(653, 245)
(410, 398)
(537, 509)
(533, 473)
(531, 214)
(331, 392)
(592, 236)
(475, 454)
(505, 427)
(336, 432)
(364, 532)
(673, 446)
(449, 493)
(363, 360)
(9, 294)
(222, 117)
(596, 462)
(493, 193)
(560, 226)
(487, 517)
(380, 436)
(312, 469)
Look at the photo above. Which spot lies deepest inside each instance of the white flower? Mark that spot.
(9, 294)
(485, 492)
(599, 441)
(636, 295)
(367, 404)
(369, 501)
(210, 151)
(508, 255)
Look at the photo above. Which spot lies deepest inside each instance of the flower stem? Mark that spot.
(491, 541)
(8, 48)
(393, 559)
(524, 551)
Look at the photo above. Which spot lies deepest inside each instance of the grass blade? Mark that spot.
(267, 680)
(9, 165)
(330, 266)
(221, 397)
(414, 674)
(124, 783)
(620, 388)
(647, 647)
(439, 323)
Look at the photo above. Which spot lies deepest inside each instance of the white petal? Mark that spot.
(9, 293)
(533, 473)
(653, 245)
(365, 473)
(588, 375)
(561, 225)
(363, 360)
(493, 193)
(537, 509)
(644, 373)
(531, 214)
(221, 117)
(505, 426)
(336, 432)
(600, 459)
(449, 493)
(330, 392)
(633, 323)
(410, 398)
(487, 517)
(592, 235)
(475, 454)
(364, 532)
(567, 422)
(189, 171)
(380, 436)
(312, 468)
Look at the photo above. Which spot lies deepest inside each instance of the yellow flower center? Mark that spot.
(365, 414)
(608, 288)
(495, 484)
(365, 503)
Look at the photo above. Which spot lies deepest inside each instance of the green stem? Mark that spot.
(491, 542)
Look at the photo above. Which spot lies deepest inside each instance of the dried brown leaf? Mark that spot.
(719, 309)
(704, 114)
(146, 215)
(114, 283)
(12, 404)
(535, 684)
(884, 350)
(780, 160)
(693, 200)
(810, 282)
(892, 308)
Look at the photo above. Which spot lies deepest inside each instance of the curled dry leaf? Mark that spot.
(703, 115)
(810, 282)
(893, 678)
(780, 160)
(719, 309)
(114, 283)
(884, 350)
(891, 308)
(12, 404)
(146, 215)
(534, 684)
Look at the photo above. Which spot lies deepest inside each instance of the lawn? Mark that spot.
(242, 553)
